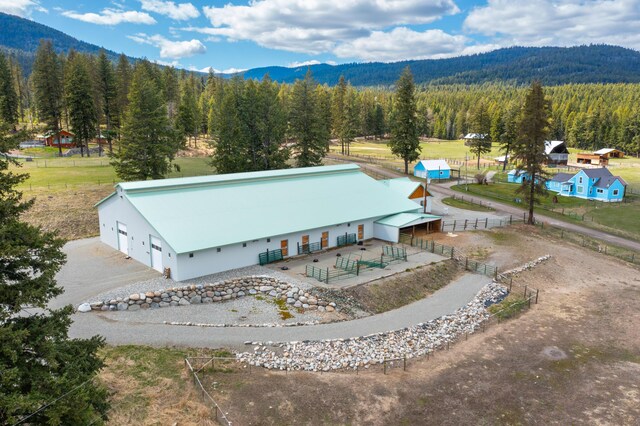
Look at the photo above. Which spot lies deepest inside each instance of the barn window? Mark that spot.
(218, 249)
(268, 240)
(244, 244)
(190, 254)
(348, 224)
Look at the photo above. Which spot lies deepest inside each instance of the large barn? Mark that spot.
(202, 225)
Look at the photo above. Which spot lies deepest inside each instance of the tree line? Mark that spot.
(261, 125)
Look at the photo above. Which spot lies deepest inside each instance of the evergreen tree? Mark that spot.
(379, 127)
(481, 122)
(271, 127)
(47, 82)
(8, 95)
(108, 92)
(308, 123)
(172, 93)
(230, 150)
(349, 122)
(38, 362)
(404, 141)
(528, 150)
(149, 142)
(187, 120)
(82, 113)
(337, 110)
(123, 83)
(509, 133)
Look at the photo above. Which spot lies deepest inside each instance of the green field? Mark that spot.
(462, 204)
(618, 218)
(62, 172)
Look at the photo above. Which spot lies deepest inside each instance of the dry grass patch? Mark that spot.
(151, 386)
(70, 212)
(400, 290)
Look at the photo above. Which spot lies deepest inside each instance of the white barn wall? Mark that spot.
(118, 209)
(386, 232)
(210, 261)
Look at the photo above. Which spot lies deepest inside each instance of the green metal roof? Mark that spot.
(213, 211)
(404, 186)
(404, 219)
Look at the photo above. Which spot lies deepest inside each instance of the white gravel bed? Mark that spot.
(161, 283)
(243, 311)
(363, 351)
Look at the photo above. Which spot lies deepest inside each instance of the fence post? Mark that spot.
(404, 362)
(486, 223)
(510, 219)
(525, 291)
(476, 225)
(466, 263)
(465, 225)
(327, 275)
(384, 364)
(537, 291)
(452, 252)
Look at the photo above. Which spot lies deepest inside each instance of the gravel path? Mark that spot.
(119, 331)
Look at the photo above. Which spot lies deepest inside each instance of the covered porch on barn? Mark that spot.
(416, 224)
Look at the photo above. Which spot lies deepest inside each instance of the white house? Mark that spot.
(202, 225)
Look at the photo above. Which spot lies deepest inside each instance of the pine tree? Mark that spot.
(8, 95)
(108, 92)
(38, 362)
(337, 110)
(230, 150)
(528, 150)
(149, 142)
(187, 119)
(481, 122)
(271, 127)
(404, 141)
(349, 122)
(82, 113)
(123, 83)
(47, 82)
(509, 133)
(308, 122)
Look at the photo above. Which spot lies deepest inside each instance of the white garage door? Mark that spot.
(123, 242)
(156, 254)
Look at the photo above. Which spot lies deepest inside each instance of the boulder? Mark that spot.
(135, 296)
(122, 306)
(183, 302)
(195, 300)
(85, 307)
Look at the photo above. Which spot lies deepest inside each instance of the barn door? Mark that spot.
(156, 254)
(324, 242)
(361, 232)
(284, 246)
(123, 241)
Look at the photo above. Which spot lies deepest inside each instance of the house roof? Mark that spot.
(404, 219)
(597, 173)
(607, 181)
(502, 158)
(605, 151)
(435, 165)
(562, 177)
(212, 211)
(403, 186)
(474, 136)
(555, 147)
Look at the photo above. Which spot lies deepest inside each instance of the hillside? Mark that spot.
(20, 38)
(517, 65)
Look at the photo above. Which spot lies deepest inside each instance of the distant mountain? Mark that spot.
(20, 38)
(517, 65)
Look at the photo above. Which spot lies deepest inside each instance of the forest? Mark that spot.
(258, 125)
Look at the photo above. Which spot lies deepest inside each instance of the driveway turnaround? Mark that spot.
(118, 332)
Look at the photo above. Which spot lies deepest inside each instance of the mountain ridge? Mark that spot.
(514, 65)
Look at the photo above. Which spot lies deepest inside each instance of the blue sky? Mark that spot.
(240, 34)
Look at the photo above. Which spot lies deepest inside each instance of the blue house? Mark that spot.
(432, 169)
(517, 176)
(591, 184)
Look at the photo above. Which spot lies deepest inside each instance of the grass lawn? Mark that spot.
(430, 149)
(462, 204)
(63, 172)
(618, 218)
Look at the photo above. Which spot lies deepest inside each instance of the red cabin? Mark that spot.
(66, 139)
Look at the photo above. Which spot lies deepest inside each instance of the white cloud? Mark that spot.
(174, 64)
(403, 43)
(21, 7)
(314, 26)
(558, 22)
(112, 17)
(303, 64)
(171, 49)
(179, 12)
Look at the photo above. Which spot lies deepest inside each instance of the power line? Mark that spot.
(51, 403)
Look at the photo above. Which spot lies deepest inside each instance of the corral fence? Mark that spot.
(197, 367)
(270, 256)
(448, 251)
(477, 223)
(309, 247)
(346, 239)
(346, 266)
